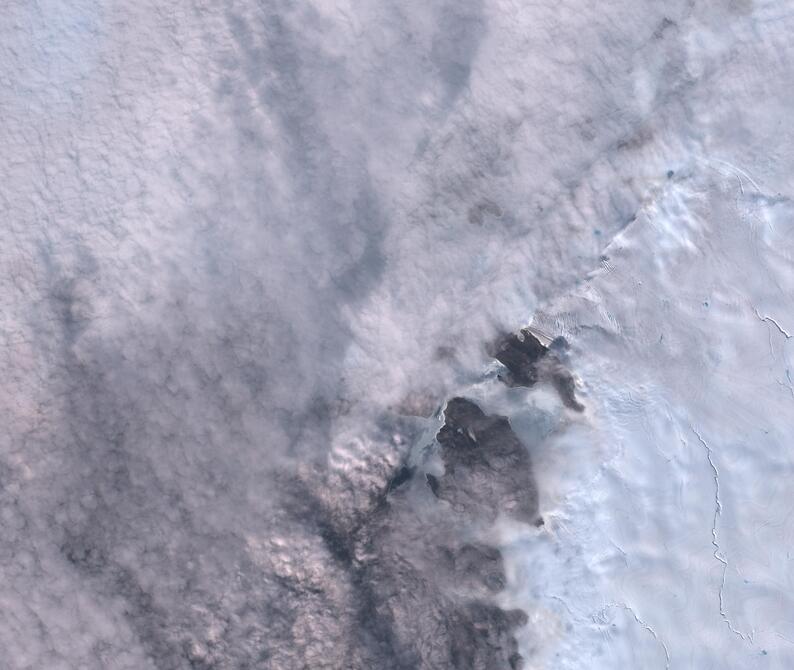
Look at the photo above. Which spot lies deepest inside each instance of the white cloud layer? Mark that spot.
(234, 234)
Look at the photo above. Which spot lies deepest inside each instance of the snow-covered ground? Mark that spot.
(669, 543)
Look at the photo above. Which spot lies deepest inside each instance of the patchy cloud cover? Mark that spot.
(250, 250)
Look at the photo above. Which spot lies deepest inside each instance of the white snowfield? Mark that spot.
(669, 544)
(231, 233)
(672, 548)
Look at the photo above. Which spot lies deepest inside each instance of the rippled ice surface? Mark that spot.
(667, 541)
(238, 239)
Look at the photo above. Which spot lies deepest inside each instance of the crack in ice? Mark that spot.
(644, 625)
(788, 386)
(715, 539)
(769, 319)
(566, 606)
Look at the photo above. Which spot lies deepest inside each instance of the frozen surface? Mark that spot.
(242, 240)
(675, 540)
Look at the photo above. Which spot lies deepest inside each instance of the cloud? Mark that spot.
(241, 238)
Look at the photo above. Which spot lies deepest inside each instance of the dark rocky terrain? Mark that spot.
(528, 361)
(403, 580)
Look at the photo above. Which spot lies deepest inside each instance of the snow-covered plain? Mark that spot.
(233, 234)
(671, 546)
